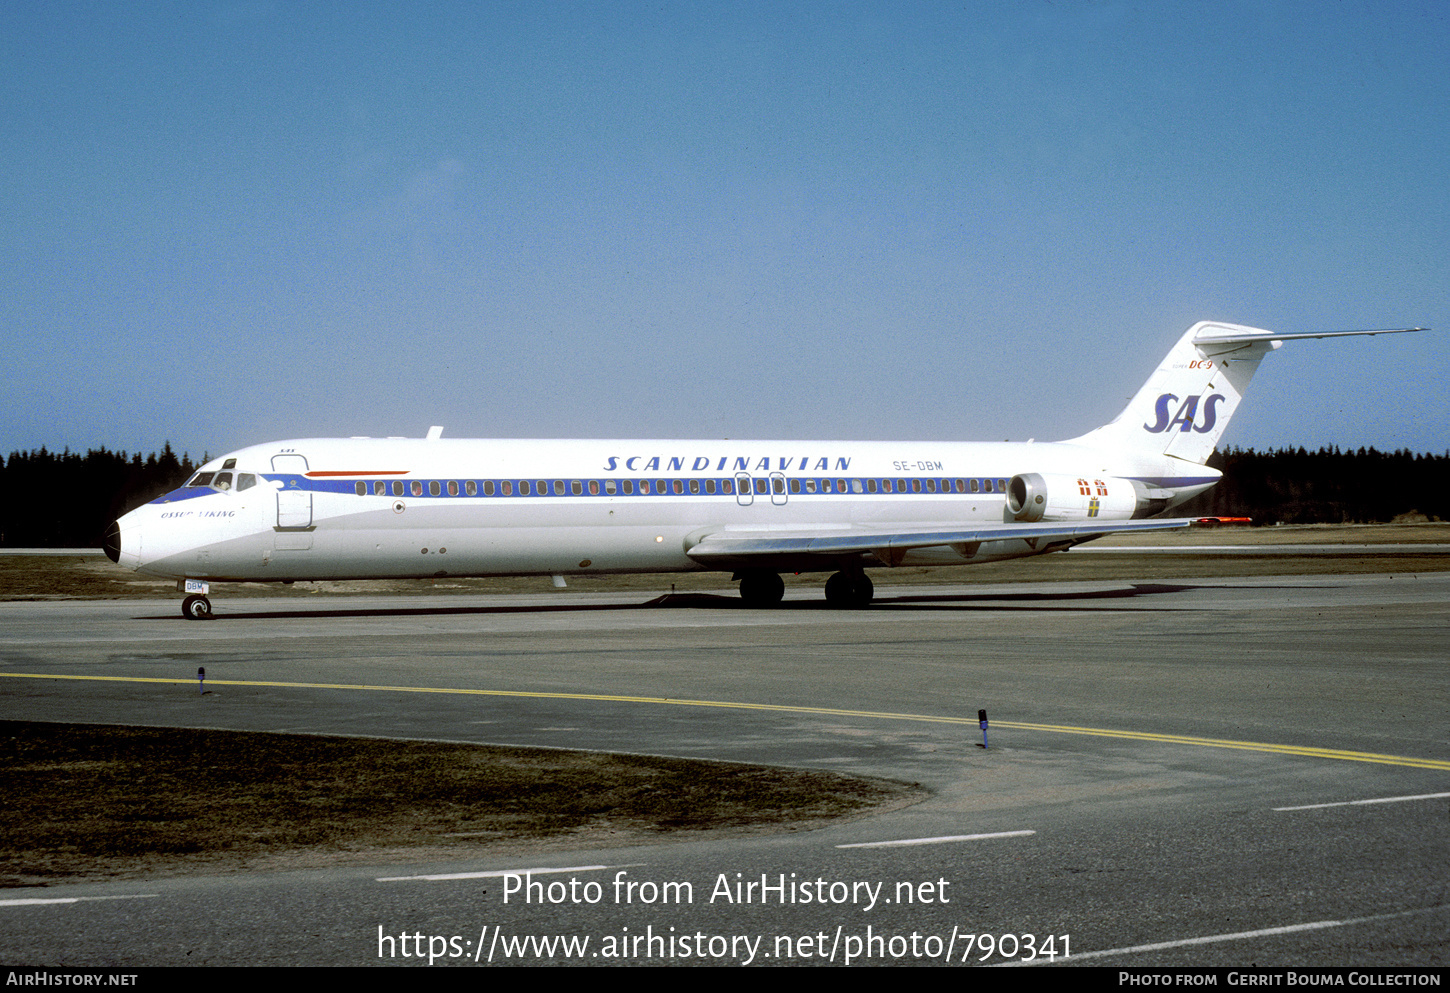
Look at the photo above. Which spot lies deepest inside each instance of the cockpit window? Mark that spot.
(223, 481)
(201, 479)
(245, 481)
(229, 464)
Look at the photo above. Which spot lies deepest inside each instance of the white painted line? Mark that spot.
(1355, 803)
(38, 901)
(1236, 936)
(944, 839)
(494, 873)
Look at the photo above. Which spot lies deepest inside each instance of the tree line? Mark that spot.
(1295, 486)
(67, 500)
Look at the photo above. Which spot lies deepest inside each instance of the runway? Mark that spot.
(1146, 741)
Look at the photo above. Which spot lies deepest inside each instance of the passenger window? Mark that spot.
(559, 488)
(507, 487)
(543, 487)
(471, 488)
(453, 487)
(362, 488)
(488, 487)
(931, 485)
(576, 487)
(710, 486)
(593, 487)
(810, 485)
(916, 486)
(762, 485)
(610, 487)
(727, 486)
(523, 487)
(856, 486)
(678, 486)
(795, 485)
(694, 486)
(870, 486)
(976, 485)
(628, 486)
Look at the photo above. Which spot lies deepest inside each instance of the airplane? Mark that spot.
(410, 508)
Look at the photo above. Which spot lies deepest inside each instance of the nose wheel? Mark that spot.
(196, 608)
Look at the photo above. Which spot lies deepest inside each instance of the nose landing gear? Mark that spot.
(196, 608)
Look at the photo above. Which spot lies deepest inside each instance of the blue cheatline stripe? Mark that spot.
(652, 486)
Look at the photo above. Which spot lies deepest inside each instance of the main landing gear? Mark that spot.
(759, 588)
(196, 608)
(850, 590)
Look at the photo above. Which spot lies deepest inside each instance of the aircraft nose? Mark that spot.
(112, 542)
(122, 543)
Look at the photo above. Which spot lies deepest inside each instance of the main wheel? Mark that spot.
(196, 608)
(761, 589)
(838, 590)
(846, 590)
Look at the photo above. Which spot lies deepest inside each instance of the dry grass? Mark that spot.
(93, 801)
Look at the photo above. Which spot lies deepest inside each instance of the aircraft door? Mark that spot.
(744, 492)
(294, 509)
(778, 495)
(294, 503)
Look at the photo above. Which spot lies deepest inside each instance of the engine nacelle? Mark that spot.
(1035, 496)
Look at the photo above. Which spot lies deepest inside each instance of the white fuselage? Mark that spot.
(363, 508)
(393, 508)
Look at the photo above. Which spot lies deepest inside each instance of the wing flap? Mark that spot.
(739, 545)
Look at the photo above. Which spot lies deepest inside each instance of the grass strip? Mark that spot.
(98, 801)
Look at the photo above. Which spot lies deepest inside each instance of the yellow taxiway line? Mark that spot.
(1167, 739)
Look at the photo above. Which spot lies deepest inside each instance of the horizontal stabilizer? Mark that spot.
(1210, 336)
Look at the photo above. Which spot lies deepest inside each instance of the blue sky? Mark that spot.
(237, 222)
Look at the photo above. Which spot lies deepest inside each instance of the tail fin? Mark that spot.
(1186, 404)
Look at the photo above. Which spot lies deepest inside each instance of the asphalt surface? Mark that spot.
(1144, 738)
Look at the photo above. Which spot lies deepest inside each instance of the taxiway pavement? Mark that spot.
(1145, 740)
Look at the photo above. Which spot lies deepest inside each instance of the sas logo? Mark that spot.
(1185, 415)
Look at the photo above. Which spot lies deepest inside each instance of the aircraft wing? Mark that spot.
(758, 547)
